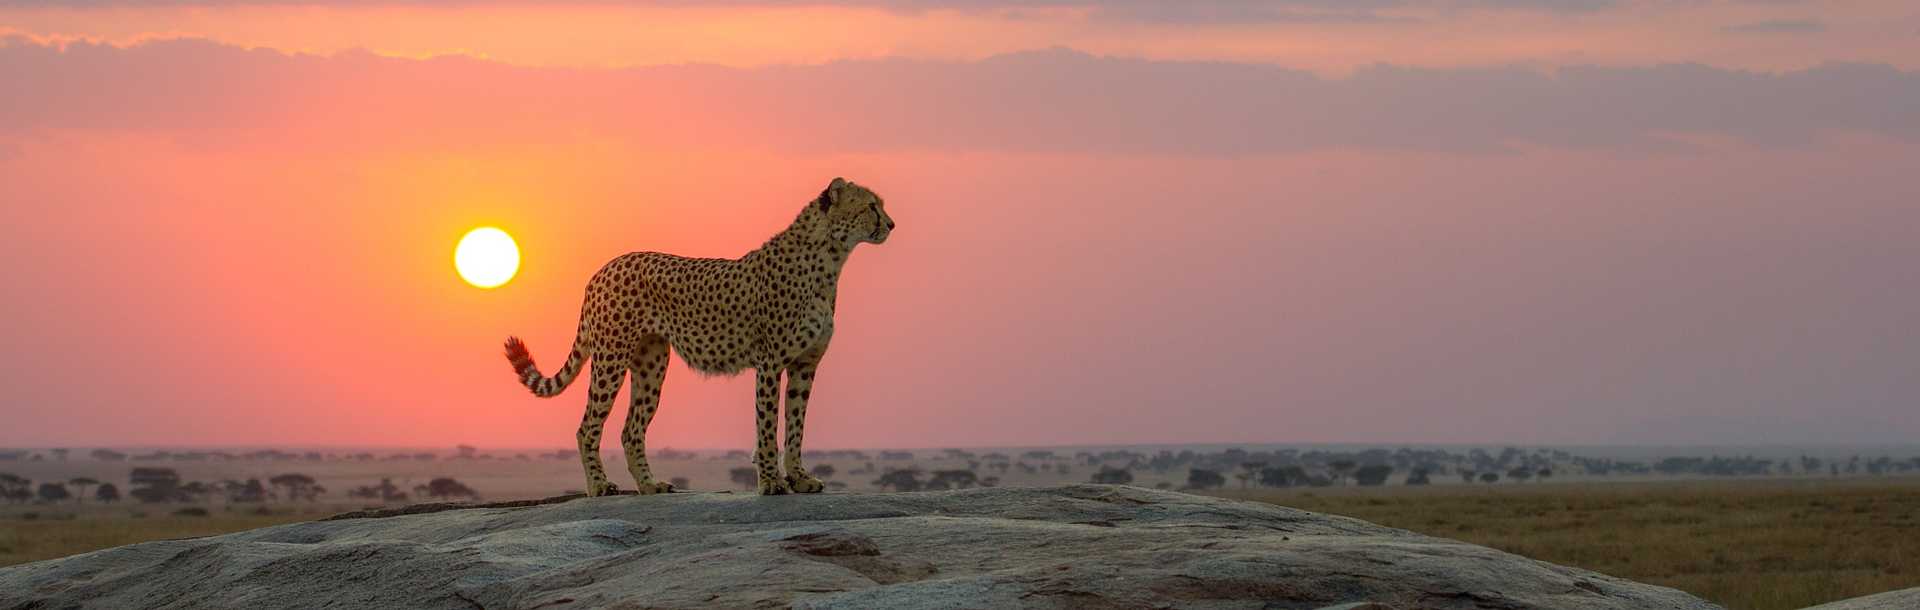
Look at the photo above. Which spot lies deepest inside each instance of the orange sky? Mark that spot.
(1430, 222)
(1322, 36)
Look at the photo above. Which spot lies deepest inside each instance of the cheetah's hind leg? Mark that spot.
(649, 369)
(608, 372)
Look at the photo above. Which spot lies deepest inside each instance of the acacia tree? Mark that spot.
(744, 476)
(107, 493)
(14, 488)
(1249, 472)
(152, 485)
(905, 479)
(445, 487)
(1109, 475)
(1341, 468)
(83, 483)
(1372, 474)
(53, 492)
(299, 486)
(1418, 477)
(953, 479)
(1201, 478)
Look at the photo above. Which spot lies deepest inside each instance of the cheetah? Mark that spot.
(770, 310)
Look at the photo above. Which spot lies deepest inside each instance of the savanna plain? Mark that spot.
(1789, 533)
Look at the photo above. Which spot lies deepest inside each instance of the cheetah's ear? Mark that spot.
(831, 193)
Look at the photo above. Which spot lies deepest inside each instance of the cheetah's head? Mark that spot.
(854, 214)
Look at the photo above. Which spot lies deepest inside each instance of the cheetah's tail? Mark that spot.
(529, 376)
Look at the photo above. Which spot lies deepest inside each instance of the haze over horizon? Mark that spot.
(1398, 222)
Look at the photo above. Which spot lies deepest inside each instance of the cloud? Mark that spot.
(1778, 26)
(1042, 101)
(1173, 12)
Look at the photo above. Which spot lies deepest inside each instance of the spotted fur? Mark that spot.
(771, 310)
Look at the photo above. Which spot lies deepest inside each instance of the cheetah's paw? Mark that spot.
(803, 483)
(601, 488)
(650, 487)
(773, 486)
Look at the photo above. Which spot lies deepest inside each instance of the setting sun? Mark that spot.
(486, 257)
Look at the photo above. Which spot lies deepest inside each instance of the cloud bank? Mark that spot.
(1041, 101)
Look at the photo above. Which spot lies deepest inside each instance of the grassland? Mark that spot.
(1743, 544)
(37, 533)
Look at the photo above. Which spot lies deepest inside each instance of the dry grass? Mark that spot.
(1742, 544)
(63, 531)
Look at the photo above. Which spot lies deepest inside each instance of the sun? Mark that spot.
(486, 257)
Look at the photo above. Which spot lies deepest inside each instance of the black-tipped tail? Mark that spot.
(523, 367)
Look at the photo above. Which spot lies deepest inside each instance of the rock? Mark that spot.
(1082, 546)
(1904, 599)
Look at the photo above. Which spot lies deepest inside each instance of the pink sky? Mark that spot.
(1413, 221)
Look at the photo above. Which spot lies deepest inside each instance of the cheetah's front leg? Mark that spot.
(765, 416)
(799, 389)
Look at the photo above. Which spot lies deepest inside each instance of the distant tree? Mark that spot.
(1112, 476)
(1489, 477)
(1418, 477)
(1520, 474)
(390, 492)
(952, 479)
(822, 471)
(1372, 475)
(298, 486)
(680, 483)
(744, 476)
(15, 489)
(1341, 468)
(1284, 476)
(905, 479)
(109, 455)
(199, 492)
(60, 454)
(83, 483)
(1809, 465)
(448, 489)
(1201, 478)
(386, 491)
(250, 492)
(1249, 472)
(1544, 473)
(107, 493)
(53, 492)
(1466, 476)
(153, 485)
(989, 481)
(466, 451)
